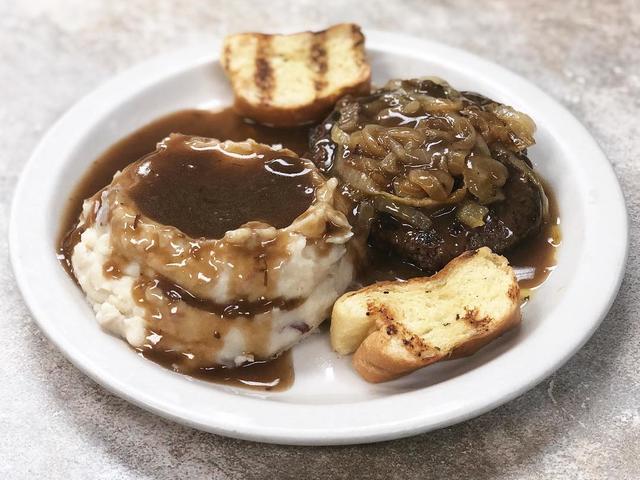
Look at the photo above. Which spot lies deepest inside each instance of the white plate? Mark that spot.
(329, 403)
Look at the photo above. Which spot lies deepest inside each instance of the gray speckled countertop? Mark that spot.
(583, 422)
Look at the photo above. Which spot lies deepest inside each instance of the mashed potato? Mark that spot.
(249, 295)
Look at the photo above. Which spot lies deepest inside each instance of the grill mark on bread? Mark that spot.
(288, 80)
(358, 41)
(318, 61)
(412, 342)
(226, 57)
(472, 317)
(263, 75)
(514, 291)
(355, 30)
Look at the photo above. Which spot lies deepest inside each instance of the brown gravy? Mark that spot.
(223, 125)
(275, 375)
(536, 255)
(205, 191)
(240, 308)
(537, 252)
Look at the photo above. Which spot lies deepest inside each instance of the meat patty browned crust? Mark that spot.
(508, 222)
(438, 171)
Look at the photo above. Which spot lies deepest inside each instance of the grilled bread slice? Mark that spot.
(287, 80)
(397, 327)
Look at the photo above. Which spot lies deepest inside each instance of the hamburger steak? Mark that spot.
(430, 172)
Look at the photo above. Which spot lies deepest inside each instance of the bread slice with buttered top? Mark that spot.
(287, 80)
(397, 327)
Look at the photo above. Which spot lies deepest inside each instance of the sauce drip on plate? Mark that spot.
(533, 259)
(274, 376)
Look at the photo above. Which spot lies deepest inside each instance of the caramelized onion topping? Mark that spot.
(421, 144)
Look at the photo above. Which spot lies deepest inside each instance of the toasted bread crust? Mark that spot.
(476, 343)
(377, 360)
(306, 66)
(392, 350)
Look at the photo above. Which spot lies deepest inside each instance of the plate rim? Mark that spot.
(150, 72)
